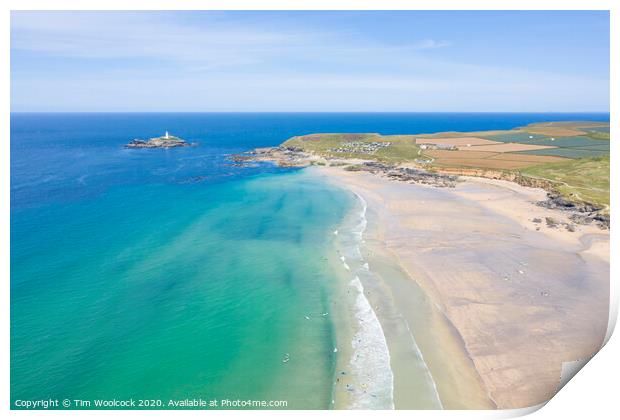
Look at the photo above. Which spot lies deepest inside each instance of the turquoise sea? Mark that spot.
(170, 274)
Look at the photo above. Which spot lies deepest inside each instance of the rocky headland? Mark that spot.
(290, 156)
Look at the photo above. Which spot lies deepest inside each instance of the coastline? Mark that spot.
(508, 300)
(363, 378)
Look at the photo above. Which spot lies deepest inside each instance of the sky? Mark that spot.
(374, 61)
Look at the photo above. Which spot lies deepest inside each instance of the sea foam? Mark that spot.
(370, 360)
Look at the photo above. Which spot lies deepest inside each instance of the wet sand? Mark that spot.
(495, 305)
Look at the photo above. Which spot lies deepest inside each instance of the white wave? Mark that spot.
(361, 225)
(370, 360)
(345, 264)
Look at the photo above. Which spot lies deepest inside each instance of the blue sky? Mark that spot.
(310, 61)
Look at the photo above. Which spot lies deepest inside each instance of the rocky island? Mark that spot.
(166, 141)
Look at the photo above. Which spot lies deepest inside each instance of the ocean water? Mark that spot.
(169, 274)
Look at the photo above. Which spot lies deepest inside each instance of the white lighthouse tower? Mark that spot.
(166, 136)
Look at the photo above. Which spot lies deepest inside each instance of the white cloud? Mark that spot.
(223, 63)
(108, 35)
(213, 42)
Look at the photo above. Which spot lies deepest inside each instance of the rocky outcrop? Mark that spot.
(158, 143)
(285, 156)
(581, 213)
(404, 174)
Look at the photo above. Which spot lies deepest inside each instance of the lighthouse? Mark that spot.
(166, 136)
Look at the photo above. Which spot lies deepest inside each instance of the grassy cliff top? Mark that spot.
(583, 180)
(574, 155)
(397, 149)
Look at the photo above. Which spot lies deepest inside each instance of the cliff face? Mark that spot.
(518, 178)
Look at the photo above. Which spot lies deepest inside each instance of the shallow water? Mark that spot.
(148, 305)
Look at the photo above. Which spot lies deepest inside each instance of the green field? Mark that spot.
(401, 149)
(515, 137)
(606, 147)
(598, 135)
(573, 147)
(573, 141)
(598, 129)
(567, 152)
(580, 180)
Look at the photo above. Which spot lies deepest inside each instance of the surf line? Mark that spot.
(370, 359)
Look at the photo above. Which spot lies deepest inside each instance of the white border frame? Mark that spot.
(592, 393)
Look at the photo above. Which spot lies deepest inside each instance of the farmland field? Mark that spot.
(555, 131)
(598, 129)
(573, 152)
(515, 137)
(456, 141)
(486, 160)
(577, 141)
(605, 147)
(506, 147)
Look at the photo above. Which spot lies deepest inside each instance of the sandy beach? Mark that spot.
(496, 302)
